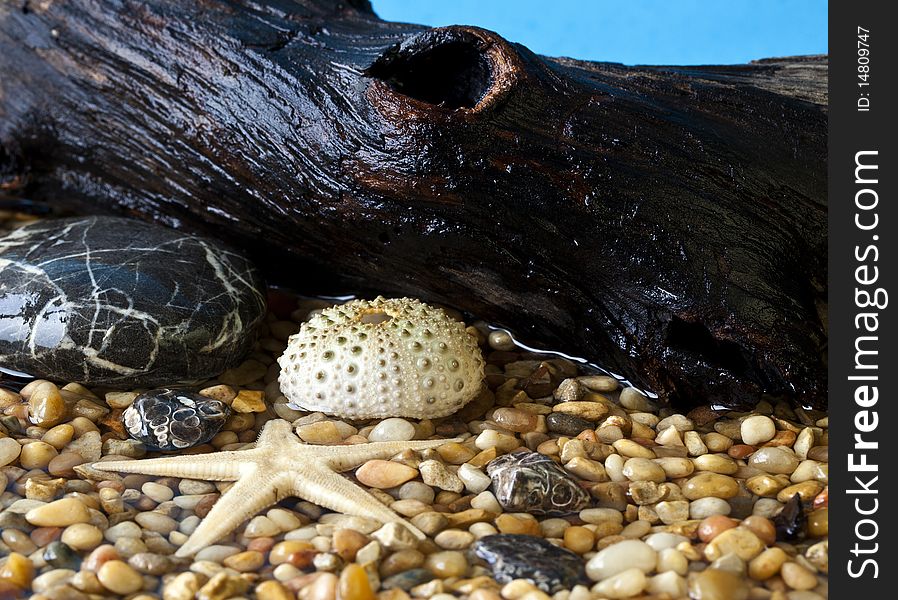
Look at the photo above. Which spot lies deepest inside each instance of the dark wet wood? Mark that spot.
(668, 222)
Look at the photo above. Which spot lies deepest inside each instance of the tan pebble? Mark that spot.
(707, 484)
(767, 564)
(591, 411)
(798, 577)
(587, 469)
(694, 444)
(626, 584)
(354, 584)
(261, 526)
(671, 559)
(643, 469)
(383, 474)
(774, 459)
(507, 523)
(347, 542)
(715, 442)
(716, 463)
(648, 492)
(766, 485)
(17, 570)
(10, 450)
(631, 449)
(272, 590)
(37, 455)
(672, 511)
(99, 556)
(757, 429)
(156, 521)
(807, 490)
(221, 586)
(762, 527)
(621, 556)
(454, 539)
(82, 536)
(818, 523)
(513, 419)
(675, 467)
(714, 525)
(579, 539)
(59, 436)
(714, 584)
(435, 474)
(455, 453)
(46, 407)
(118, 577)
(59, 513)
(249, 401)
(740, 541)
(281, 551)
(322, 432)
(449, 563)
(245, 562)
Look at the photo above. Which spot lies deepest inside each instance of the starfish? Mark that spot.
(279, 466)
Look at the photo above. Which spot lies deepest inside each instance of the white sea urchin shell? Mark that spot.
(381, 358)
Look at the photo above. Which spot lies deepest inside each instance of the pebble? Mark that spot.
(767, 564)
(643, 469)
(566, 424)
(511, 557)
(757, 429)
(17, 570)
(167, 419)
(761, 527)
(435, 474)
(668, 583)
(245, 562)
(774, 459)
(715, 584)
(532, 483)
(579, 539)
(709, 506)
(148, 302)
(416, 490)
(590, 411)
(249, 401)
(37, 455)
(46, 407)
(392, 430)
(449, 563)
(9, 450)
(475, 480)
(621, 556)
(798, 577)
(156, 492)
(354, 584)
(82, 536)
(383, 474)
(321, 432)
(740, 541)
(156, 521)
(60, 513)
(118, 577)
(625, 584)
(395, 536)
(261, 526)
(707, 484)
(272, 590)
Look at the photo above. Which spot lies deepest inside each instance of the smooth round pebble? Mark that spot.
(118, 577)
(757, 429)
(619, 557)
(392, 430)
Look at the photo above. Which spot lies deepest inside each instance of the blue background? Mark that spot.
(683, 32)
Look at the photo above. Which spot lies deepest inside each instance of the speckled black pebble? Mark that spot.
(540, 562)
(566, 424)
(116, 302)
(531, 482)
(174, 419)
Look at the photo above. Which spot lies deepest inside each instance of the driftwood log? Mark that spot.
(666, 222)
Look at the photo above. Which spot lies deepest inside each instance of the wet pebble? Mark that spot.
(531, 482)
(519, 556)
(392, 430)
(621, 556)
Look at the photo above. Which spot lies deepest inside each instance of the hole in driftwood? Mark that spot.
(697, 339)
(452, 74)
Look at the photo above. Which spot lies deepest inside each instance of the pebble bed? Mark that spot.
(673, 505)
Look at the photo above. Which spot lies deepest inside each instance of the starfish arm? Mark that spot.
(331, 490)
(343, 458)
(252, 493)
(220, 466)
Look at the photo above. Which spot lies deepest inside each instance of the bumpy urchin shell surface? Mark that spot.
(382, 358)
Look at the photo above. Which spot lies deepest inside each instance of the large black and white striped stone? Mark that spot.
(111, 301)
